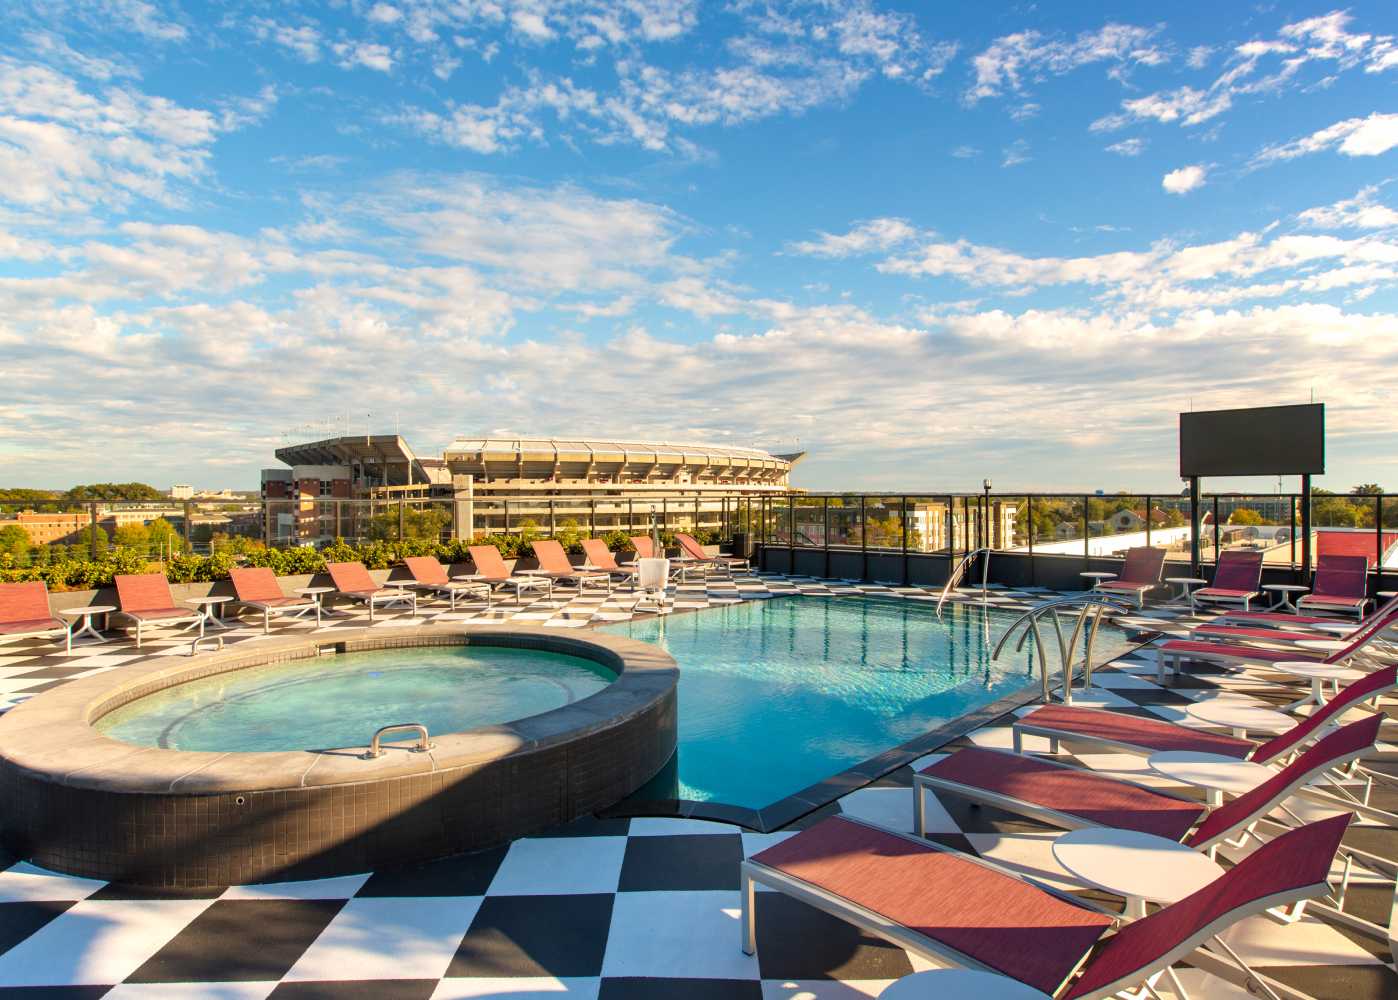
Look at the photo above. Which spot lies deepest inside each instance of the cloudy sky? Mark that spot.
(928, 242)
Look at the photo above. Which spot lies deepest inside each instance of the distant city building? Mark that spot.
(46, 529)
(487, 480)
(182, 492)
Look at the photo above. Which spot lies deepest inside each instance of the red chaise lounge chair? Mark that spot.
(691, 548)
(1140, 574)
(490, 569)
(1135, 734)
(1237, 578)
(1341, 584)
(554, 564)
(431, 576)
(145, 598)
(353, 581)
(959, 910)
(600, 557)
(257, 588)
(1173, 653)
(1071, 797)
(25, 613)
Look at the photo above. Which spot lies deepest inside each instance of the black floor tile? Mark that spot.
(796, 941)
(239, 940)
(680, 989)
(536, 936)
(19, 920)
(54, 992)
(463, 875)
(690, 862)
(590, 826)
(368, 989)
(113, 890)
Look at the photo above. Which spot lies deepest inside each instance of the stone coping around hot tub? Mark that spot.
(52, 734)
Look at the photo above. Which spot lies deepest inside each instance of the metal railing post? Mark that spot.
(1293, 532)
(1029, 507)
(825, 533)
(402, 512)
(188, 517)
(1148, 520)
(92, 531)
(553, 521)
(1086, 530)
(905, 540)
(863, 538)
(1218, 537)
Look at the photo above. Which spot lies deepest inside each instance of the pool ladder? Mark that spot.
(960, 570)
(1095, 606)
(424, 744)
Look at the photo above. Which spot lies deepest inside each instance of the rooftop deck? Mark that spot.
(608, 907)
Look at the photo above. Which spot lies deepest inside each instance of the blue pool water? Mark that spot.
(338, 701)
(777, 695)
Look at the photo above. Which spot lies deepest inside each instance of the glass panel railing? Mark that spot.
(1057, 525)
(809, 530)
(846, 522)
(883, 522)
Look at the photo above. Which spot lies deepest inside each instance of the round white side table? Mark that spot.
(1213, 772)
(209, 608)
(944, 984)
(1284, 592)
(1318, 674)
(86, 614)
(317, 596)
(1238, 718)
(1186, 585)
(1140, 867)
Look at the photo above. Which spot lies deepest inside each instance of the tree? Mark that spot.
(1246, 516)
(1367, 489)
(1334, 512)
(132, 536)
(14, 542)
(114, 491)
(85, 537)
(165, 540)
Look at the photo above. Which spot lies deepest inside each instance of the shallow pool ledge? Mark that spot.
(79, 802)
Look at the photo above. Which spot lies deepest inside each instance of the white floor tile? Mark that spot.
(823, 989)
(552, 865)
(23, 882)
(677, 935)
(322, 888)
(891, 808)
(97, 941)
(389, 939)
(542, 988)
(190, 991)
(660, 826)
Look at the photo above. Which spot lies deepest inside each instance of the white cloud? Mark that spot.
(370, 55)
(303, 40)
(1011, 59)
(1015, 153)
(1128, 147)
(62, 147)
(1360, 212)
(384, 13)
(875, 234)
(1371, 136)
(965, 152)
(1184, 180)
(1185, 105)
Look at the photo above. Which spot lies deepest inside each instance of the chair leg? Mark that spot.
(749, 916)
(266, 621)
(138, 634)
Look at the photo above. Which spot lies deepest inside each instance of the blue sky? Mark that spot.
(929, 242)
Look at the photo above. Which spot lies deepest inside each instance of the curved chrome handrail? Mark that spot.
(959, 570)
(1097, 604)
(423, 743)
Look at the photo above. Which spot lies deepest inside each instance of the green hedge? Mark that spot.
(89, 574)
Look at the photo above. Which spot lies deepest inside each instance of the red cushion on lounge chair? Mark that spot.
(1321, 600)
(1244, 632)
(599, 555)
(1344, 578)
(1280, 617)
(1142, 566)
(1337, 748)
(31, 626)
(351, 578)
(1293, 866)
(144, 592)
(1381, 680)
(24, 602)
(1133, 730)
(426, 569)
(1254, 654)
(1093, 798)
(1002, 922)
(691, 546)
(552, 559)
(643, 547)
(488, 563)
(256, 583)
(1238, 572)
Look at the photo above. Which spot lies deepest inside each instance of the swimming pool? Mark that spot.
(338, 701)
(777, 695)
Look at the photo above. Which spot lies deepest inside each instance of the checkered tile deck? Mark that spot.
(606, 908)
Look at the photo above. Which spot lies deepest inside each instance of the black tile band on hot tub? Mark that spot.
(78, 802)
